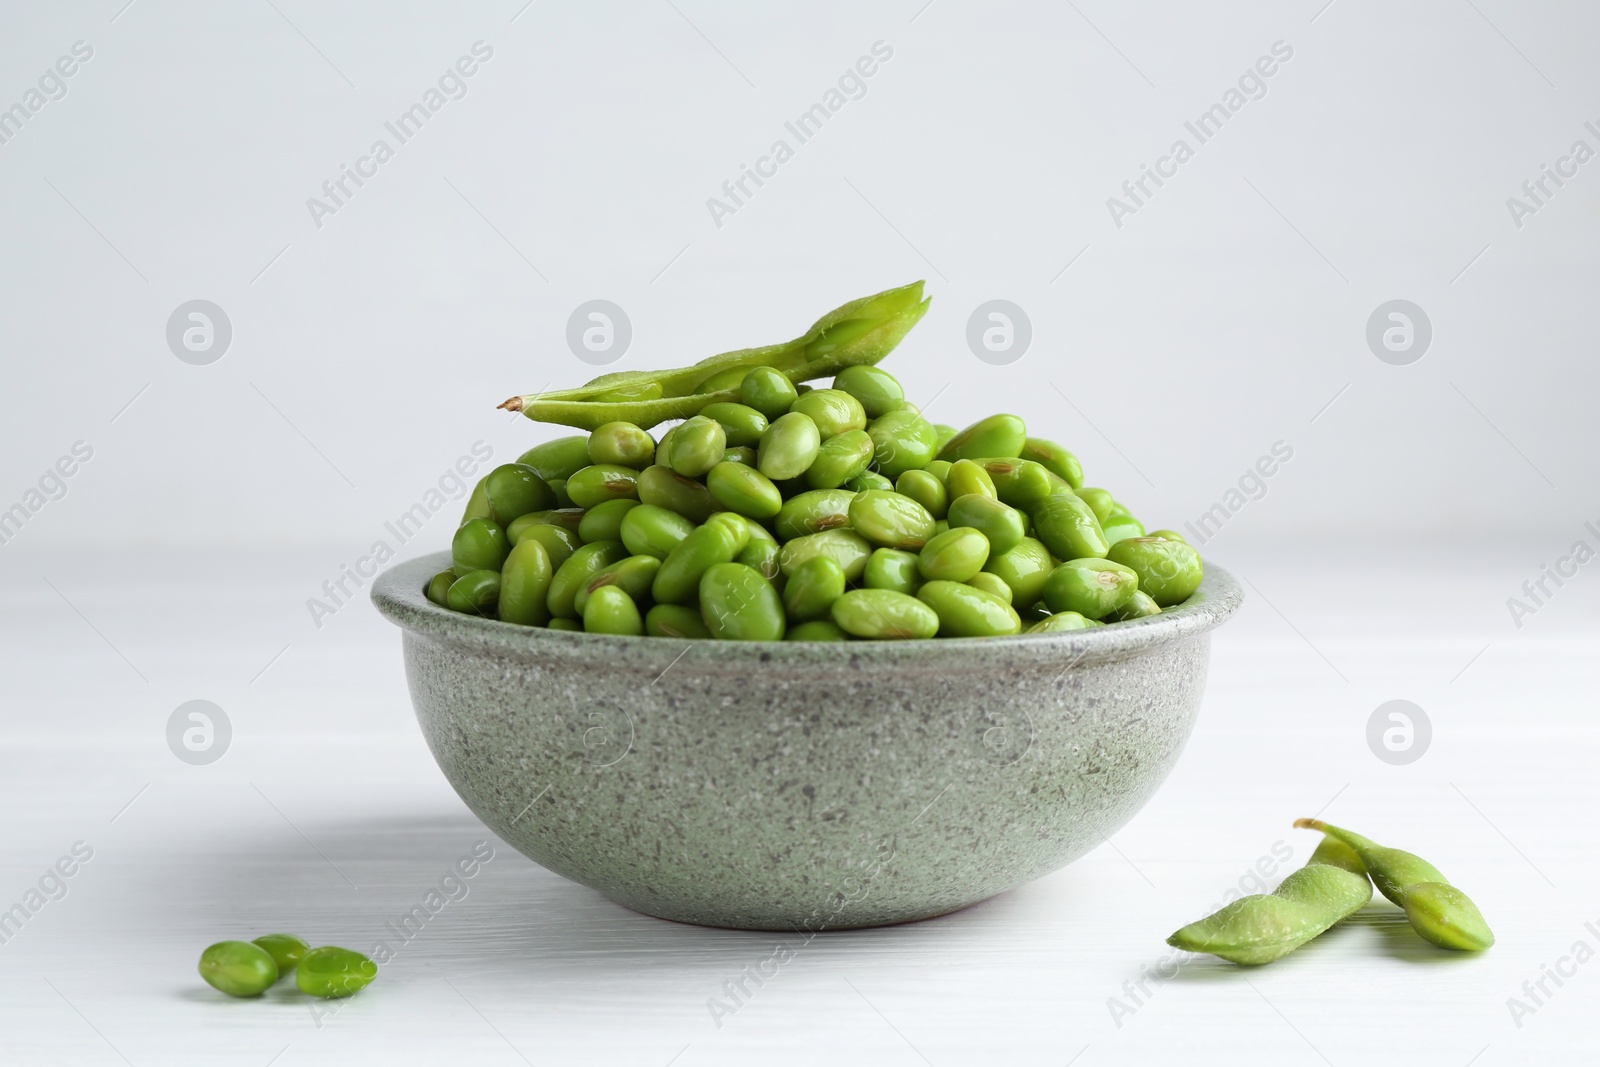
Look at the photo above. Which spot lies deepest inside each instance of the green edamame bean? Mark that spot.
(1022, 483)
(649, 530)
(875, 390)
(1025, 569)
(940, 469)
(475, 593)
(839, 459)
(833, 410)
(992, 584)
(571, 625)
(891, 520)
(868, 480)
(478, 545)
(610, 610)
(762, 554)
(1094, 588)
(285, 950)
(706, 545)
(744, 490)
(514, 489)
(1057, 460)
(1001, 524)
(1167, 535)
(439, 586)
(737, 604)
(558, 541)
(812, 588)
(1437, 910)
(742, 424)
(567, 518)
(1170, 571)
(953, 556)
(525, 585)
(558, 486)
(743, 454)
(1263, 927)
(1069, 529)
(238, 968)
(768, 390)
(788, 445)
(926, 489)
(891, 568)
(946, 433)
(812, 512)
(675, 620)
(697, 446)
(599, 482)
(966, 611)
(816, 630)
(1122, 526)
(966, 478)
(583, 564)
(996, 437)
(1139, 606)
(902, 441)
(884, 615)
(477, 503)
(621, 444)
(561, 458)
(845, 547)
(603, 522)
(721, 380)
(1061, 620)
(634, 575)
(663, 488)
(1100, 501)
(331, 972)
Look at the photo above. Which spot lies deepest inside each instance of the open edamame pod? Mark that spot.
(1437, 910)
(856, 334)
(1267, 926)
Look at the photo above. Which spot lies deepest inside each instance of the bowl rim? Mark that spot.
(399, 594)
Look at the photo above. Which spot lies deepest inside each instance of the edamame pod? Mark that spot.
(1437, 910)
(1263, 927)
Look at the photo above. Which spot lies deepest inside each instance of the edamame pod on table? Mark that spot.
(1264, 927)
(1437, 910)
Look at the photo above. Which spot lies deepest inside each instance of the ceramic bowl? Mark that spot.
(810, 786)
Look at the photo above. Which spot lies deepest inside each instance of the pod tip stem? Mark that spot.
(1308, 824)
(514, 404)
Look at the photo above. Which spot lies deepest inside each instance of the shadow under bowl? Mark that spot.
(797, 785)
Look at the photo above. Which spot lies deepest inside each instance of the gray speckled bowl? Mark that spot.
(776, 786)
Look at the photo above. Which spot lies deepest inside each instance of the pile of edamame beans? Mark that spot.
(787, 512)
(250, 968)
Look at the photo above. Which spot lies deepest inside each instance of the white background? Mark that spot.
(1227, 314)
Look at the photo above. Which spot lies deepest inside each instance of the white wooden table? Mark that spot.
(327, 817)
